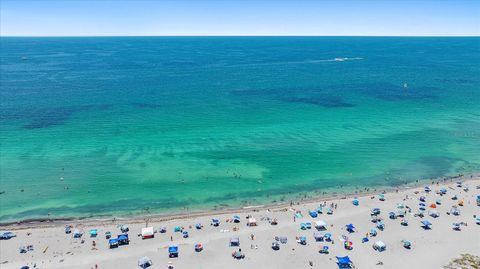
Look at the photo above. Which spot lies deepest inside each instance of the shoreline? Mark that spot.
(49, 246)
(139, 218)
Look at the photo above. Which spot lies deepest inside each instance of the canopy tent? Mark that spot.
(321, 225)
(318, 236)
(173, 251)
(302, 240)
(282, 239)
(234, 242)
(375, 211)
(433, 213)
(145, 262)
(344, 262)
(147, 232)
(426, 224)
(379, 246)
(123, 239)
(77, 233)
(93, 233)
(350, 228)
(113, 243)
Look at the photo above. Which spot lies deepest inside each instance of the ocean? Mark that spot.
(122, 126)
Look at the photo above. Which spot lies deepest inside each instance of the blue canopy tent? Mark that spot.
(173, 251)
(123, 239)
(350, 228)
(426, 224)
(302, 240)
(93, 233)
(113, 243)
(344, 262)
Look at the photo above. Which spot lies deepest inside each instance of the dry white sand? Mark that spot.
(431, 248)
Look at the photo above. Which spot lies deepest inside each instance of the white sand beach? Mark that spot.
(433, 248)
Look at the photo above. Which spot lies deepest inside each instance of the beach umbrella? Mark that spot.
(433, 206)
(145, 262)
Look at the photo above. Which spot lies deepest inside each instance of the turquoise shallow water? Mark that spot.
(115, 126)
